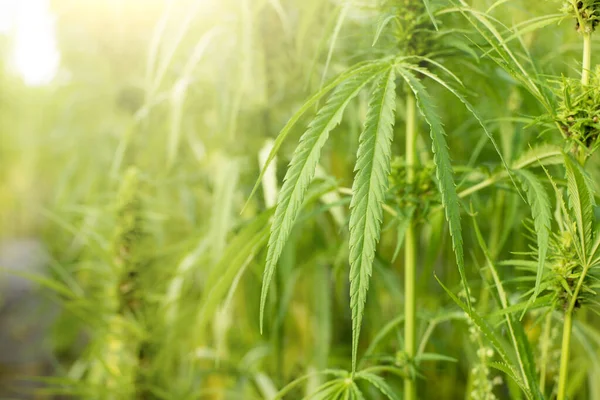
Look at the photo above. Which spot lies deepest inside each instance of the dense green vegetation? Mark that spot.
(364, 199)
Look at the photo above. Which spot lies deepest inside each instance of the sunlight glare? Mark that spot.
(35, 55)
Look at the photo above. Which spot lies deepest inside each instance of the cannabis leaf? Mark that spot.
(430, 13)
(358, 69)
(494, 338)
(368, 194)
(302, 168)
(581, 202)
(444, 172)
(542, 215)
(521, 345)
(379, 383)
(543, 154)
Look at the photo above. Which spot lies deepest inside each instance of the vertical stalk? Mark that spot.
(564, 357)
(410, 388)
(568, 323)
(278, 335)
(587, 58)
(545, 347)
(581, 153)
(566, 339)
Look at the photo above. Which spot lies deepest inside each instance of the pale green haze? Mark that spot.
(299, 199)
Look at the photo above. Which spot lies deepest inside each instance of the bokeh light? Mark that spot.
(31, 26)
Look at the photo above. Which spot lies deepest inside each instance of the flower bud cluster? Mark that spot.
(578, 112)
(585, 12)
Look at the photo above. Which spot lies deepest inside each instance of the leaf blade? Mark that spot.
(285, 131)
(379, 383)
(541, 212)
(368, 195)
(581, 202)
(489, 333)
(302, 170)
(444, 173)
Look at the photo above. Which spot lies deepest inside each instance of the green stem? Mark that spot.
(581, 153)
(411, 138)
(545, 346)
(410, 343)
(475, 188)
(568, 323)
(566, 339)
(564, 358)
(587, 58)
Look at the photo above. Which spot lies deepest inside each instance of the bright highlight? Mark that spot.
(35, 55)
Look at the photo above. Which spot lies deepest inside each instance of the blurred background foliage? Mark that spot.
(133, 164)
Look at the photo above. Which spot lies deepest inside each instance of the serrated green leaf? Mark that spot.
(368, 194)
(520, 341)
(430, 13)
(544, 154)
(541, 212)
(595, 247)
(444, 172)
(404, 219)
(381, 26)
(581, 202)
(379, 383)
(507, 59)
(469, 107)
(328, 390)
(345, 393)
(526, 358)
(484, 327)
(534, 24)
(302, 169)
(285, 131)
(542, 301)
(290, 386)
(358, 395)
(509, 372)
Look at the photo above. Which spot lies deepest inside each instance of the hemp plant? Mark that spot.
(424, 225)
(566, 248)
(579, 121)
(414, 28)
